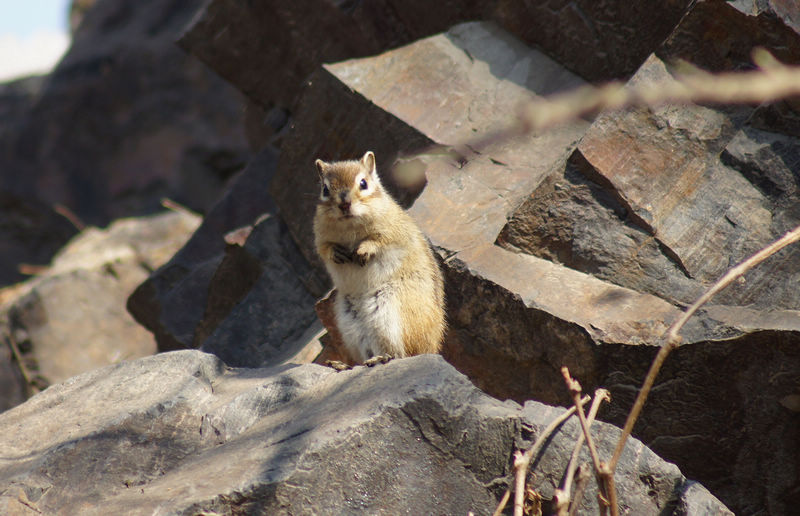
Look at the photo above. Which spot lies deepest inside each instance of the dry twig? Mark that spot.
(771, 81)
(523, 460)
(561, 497)
(607, 498)
(30, 383)
(580, 488)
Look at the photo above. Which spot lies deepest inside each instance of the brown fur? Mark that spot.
(384, 254)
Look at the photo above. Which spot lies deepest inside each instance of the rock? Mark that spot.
(16, 97)
(598, 40)
(516, 318)
(30, 233)
(268, 318)
(13, 385)
(268, 49)
(412, 436)
(242, 41)
(77, 10)
(126, 119)
(71, 318)
(493, 73)
(735, 29)
(675, 216)
(246, 300)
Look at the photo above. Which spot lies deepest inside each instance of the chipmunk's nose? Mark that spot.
(344, 202)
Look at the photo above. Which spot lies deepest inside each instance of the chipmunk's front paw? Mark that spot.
(340, 254)
(337, 365)
(380, 359)
(365, 251)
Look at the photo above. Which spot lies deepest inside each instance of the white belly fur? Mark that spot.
(367, 309)
(370, 324)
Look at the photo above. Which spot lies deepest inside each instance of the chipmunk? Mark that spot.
(390, 294)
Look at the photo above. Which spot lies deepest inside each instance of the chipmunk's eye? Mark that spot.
(325, 191)
(363, 184)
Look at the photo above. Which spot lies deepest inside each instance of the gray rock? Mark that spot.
(413, 436)
(172, 301)
(71, 318)
(267, 49)
(275, 311)
(674, 216)
(246, 301)
(599, 40)
(30, 233)
(736, 29)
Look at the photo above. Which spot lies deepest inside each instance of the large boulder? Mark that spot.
(412, 437)
(71, 317)
(593, 257)
(573, 246)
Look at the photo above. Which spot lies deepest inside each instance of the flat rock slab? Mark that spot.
(412, 436)
(675, 216)
(268, 49)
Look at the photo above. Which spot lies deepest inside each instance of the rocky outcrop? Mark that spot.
(71, 318)
(578, 246)
(412, 436)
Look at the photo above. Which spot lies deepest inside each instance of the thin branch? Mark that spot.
(673, 339)
(503, 502)
(561, 497)
(171, 205)
(575, 391)
(772, 81)
(607, 497)
(70, 216)
(521, 466)
(17, 354)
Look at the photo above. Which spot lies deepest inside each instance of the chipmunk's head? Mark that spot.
(347, 187)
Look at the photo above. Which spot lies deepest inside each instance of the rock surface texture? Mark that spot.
(574, 246)
(409, 437)
(71, 318)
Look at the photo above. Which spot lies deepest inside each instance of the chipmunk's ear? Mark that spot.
(321, 166)
(368, 160)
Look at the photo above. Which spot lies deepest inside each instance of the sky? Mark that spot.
(34, 34)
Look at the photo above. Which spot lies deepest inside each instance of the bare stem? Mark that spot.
(673, 340)
(575, 390)
(562, 496)
(521, 468)
(521, 465)
(17, 354)
(607, 498)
